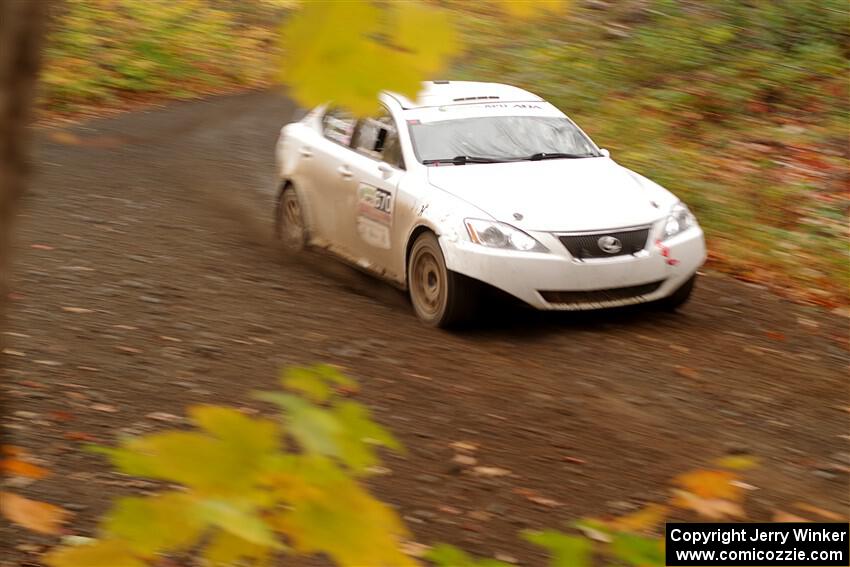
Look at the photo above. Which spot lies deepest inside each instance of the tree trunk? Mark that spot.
(21, 30)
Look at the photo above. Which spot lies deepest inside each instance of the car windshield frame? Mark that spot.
(533, 153)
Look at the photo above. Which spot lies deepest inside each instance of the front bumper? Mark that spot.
(526, 274)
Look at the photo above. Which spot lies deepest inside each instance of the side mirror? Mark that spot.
(604, 152)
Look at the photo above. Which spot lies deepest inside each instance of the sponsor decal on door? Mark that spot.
(374, 215)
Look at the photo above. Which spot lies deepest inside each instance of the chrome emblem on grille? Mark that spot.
(609, 244)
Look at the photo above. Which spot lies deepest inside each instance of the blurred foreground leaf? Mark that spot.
(243, 495)
(347, 52)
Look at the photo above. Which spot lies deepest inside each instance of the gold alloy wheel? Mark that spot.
(428, 280)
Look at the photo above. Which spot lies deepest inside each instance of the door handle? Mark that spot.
(305, 151)
(386, 171)
(345, 172)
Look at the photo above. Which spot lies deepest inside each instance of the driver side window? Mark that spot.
(378, 139)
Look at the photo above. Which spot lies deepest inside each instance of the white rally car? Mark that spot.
(482, 182)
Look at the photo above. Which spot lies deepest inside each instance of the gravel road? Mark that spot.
(146, 280)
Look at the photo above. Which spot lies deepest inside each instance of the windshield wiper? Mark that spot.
(556, 155)
(461, 160)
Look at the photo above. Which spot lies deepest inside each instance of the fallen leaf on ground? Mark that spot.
(574, 460)
(18, 467)
(415, 549)
(710, 484)
(642, 520)
(491, 471)
(829, 515)
(104, 408)
(128, 350)
(712, 508)
(41, 247)
(76, 310)
(12, 450)
(780, 516)
(535, 497)
(463, 446)
(34, 515)
(687, 372)
(465, 460)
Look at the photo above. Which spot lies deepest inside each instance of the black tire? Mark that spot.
(679, 297)
(440, 297)
(289, 224)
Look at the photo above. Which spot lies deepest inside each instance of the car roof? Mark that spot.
(445, 93)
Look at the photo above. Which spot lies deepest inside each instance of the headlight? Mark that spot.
(679, 220)
(500, 235)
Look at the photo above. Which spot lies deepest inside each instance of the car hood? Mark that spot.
(557, 195)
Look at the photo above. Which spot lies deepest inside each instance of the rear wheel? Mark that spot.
(289, 220)
(440, 297)
(679, 297)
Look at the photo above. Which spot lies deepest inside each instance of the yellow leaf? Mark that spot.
(164, 522)
(106, 553)
(225, 549)
(336, 516)
(530, 9)
(642, 520)
(247, 435)
(710, 484)
(737, 462)
(347, 52)
(428, 34)
(34, 515)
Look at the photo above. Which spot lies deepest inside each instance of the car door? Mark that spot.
(378, 167)
(330, 176)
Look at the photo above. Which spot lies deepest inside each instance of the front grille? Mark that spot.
(583, 246)
(600, 295)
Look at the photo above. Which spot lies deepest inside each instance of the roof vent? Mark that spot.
(467, 98)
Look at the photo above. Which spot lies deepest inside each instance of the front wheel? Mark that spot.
(440, 297)
(679, 297)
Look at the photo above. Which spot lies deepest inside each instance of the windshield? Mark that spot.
(498, 138)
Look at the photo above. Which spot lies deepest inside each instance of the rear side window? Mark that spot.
(338, 126)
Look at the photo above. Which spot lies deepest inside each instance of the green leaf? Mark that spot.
(358, 435)
(164, 522)
(315, 382)
(565, 550)
(240, 520)
(105, 553)
(444, 555)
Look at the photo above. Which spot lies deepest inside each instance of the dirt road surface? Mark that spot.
(159, 223)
